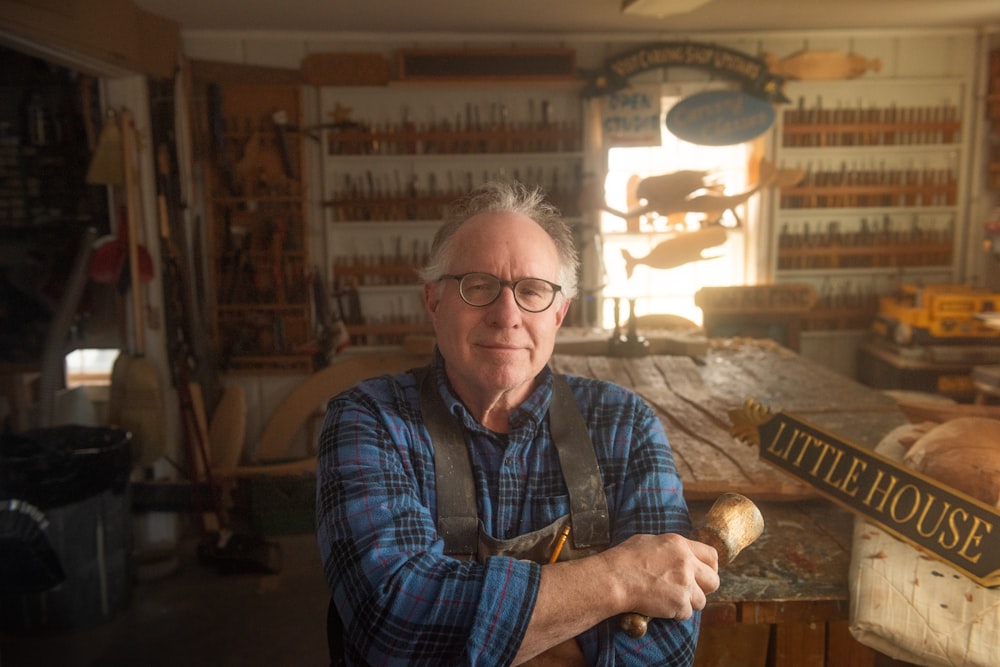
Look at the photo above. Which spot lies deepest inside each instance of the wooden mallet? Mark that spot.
(732, 524)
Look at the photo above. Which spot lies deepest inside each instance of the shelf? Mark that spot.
(395, 208)
(489, 141)
(882, 201)
(379, 273)
(867, 256)
(824, 274)
(825, 190)
(348, 160)
(394, 158)
(793, 214)
(912, 127)
(866, 154)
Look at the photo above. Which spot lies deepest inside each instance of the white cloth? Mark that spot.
(913, 607)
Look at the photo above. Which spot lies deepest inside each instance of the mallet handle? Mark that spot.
(731, 525)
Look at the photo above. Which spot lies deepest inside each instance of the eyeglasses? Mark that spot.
(481, 289)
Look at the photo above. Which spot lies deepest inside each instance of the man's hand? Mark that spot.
(663, 576)
(666, 576)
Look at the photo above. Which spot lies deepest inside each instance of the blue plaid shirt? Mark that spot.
(402, 600)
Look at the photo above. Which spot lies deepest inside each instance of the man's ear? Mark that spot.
(561, 312)
(431, 297)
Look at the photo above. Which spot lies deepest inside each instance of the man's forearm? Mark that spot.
(665, 576)
(573, 597)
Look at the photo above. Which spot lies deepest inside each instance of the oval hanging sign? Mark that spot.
(720, 117)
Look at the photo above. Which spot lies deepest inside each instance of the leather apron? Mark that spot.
(457, 520)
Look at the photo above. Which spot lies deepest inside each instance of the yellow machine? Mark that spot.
(939, 314)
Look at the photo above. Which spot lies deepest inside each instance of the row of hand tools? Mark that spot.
(819, 126)
(880, 244)
(852, 187)
(465, 132)
(389, 196)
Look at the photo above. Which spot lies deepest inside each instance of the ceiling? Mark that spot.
(576, 17)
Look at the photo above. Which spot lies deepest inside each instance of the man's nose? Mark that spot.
(504, 309)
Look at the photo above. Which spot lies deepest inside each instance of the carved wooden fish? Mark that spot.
(715, 205)
(661, 190)
(671, 193)
(681, 249)
(821, 65)
(671, 187)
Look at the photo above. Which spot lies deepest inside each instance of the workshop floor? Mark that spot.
(195, 616)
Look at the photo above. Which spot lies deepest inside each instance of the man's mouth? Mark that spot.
(500, 346)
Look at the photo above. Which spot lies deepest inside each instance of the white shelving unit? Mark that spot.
(883, 201)
(395, 156)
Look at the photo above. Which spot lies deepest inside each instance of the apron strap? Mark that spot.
(587, 502)
(457, 520)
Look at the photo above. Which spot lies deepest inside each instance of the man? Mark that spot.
(498, 285)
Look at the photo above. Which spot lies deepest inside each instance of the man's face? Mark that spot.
(498, 348)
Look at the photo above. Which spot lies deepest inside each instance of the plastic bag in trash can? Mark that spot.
(30, 565)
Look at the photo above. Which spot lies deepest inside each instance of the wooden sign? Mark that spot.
(468, 64)
(935, 518)
(631, 117)
(720, 117)
(345, 69)
(720, 61)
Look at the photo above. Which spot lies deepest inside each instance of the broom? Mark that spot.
(141, 408)
(221, 547)
(107, 165)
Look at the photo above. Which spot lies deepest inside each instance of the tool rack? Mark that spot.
(881, 201)
(395, 156)
(259, 267)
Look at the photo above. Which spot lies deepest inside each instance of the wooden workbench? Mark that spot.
(784, 601)
(693, 397)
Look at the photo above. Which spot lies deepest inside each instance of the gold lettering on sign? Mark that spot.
(974, 538)
(908, 507)
(850, 485)
(876, 488)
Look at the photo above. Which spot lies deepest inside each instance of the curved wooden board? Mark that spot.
(227, 431)
(309, 398)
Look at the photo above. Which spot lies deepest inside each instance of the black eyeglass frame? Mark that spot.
(512, 284)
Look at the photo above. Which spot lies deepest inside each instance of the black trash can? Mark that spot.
(65, 527)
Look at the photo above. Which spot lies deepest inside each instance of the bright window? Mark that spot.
(90, 367)
(671, 290)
